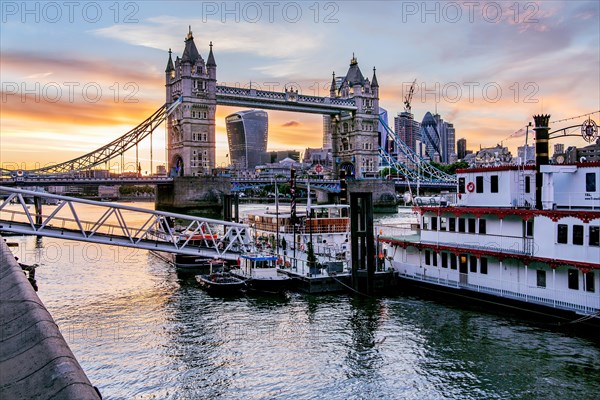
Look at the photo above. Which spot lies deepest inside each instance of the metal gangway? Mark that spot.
(120, 225)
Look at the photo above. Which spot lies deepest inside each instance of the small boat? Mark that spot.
(260, 273)
(221, 283)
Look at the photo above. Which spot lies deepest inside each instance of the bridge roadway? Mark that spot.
(287, 101)
(238, 184)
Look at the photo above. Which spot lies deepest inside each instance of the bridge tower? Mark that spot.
(355, 136)
(191, 128)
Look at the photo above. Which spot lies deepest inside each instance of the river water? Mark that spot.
(141, 331)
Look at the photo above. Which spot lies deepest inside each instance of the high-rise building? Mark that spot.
(407, 129)
(438, 136)
(247, 134)
(559, 148)
(526, 154)
(461, 148)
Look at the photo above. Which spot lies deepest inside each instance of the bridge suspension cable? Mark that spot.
(425, 171)
(113, 149)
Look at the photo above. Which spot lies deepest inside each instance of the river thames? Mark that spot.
(142, 331)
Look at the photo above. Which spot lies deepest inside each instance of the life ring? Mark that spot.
(470, 186)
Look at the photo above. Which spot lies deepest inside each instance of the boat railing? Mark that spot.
(396, 231)
(583, 302)
(489, 242)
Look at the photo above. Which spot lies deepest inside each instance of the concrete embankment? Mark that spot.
(35, 360)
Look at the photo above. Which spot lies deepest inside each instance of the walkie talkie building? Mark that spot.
(247, 134)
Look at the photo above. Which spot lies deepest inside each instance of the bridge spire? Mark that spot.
(333, 86)
(374, 80)
(211, 58)
(170, 66)
(190, 53)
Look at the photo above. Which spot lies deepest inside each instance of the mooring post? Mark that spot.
(37, 201)
(362, 240)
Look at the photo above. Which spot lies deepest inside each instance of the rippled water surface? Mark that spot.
(141, 331)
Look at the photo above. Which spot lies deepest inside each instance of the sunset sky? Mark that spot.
(78, 75)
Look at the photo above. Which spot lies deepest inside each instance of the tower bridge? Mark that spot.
(351, 112)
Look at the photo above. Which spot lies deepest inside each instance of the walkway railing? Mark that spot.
(121, 225)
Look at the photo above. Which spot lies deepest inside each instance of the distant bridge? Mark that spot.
(65, 180)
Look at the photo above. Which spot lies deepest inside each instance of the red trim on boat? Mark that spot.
(525, 259)
(526, 214)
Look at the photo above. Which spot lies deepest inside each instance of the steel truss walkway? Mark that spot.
(286, 101)
(121, 225)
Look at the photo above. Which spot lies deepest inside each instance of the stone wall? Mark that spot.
(35, 360)
(192, 192)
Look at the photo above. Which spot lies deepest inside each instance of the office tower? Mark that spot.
(247, 134)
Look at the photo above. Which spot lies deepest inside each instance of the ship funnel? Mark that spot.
(541, 153)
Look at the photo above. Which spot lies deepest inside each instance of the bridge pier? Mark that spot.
(384, 193)
(192, 193)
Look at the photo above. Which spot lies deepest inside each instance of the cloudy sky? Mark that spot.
(76, 75)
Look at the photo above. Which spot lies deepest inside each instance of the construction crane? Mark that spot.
(409, 96)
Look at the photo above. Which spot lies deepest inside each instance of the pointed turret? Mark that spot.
(333, 86)
(354, 76)
(170, 66)
(374, 80)
(211, 58)
(190, 53)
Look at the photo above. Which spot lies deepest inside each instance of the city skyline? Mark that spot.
(487, 71)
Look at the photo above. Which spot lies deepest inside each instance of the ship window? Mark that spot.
(494, 183)
(452, 261)
(541, 278)
(427, 257)
(425, 224)
(590, 182)
(434, 223)
(444, 260)
(434, 258)
(594, 236)
(479, 184)
(589, 282)
(461, 224)
(563, 232)
(483, 265)
(473, 264)
(528, 228)
(463, 267)
(452, 224)
(573, 279)
(482, 225)
(527, 184)
(461, 185)
(471, 225)
(443, 223)
(578, 234)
